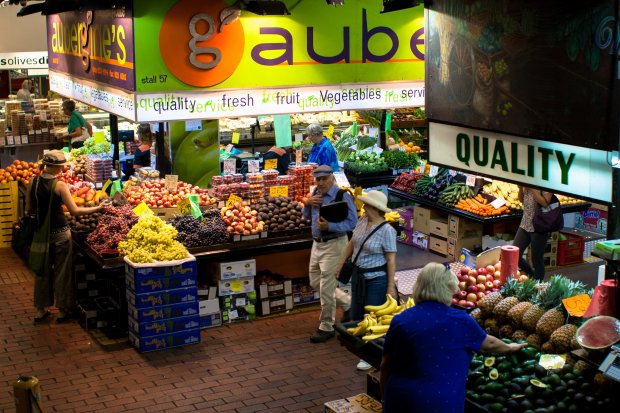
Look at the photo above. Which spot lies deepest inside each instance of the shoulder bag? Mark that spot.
(346, 272)
(39, 249)
(549, 218)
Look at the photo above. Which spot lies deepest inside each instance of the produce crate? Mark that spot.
(9, 197)
(570, 250)
(164, 341)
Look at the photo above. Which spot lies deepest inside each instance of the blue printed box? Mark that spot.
(166, 297)
(146, 285)
(162, 313)
(139, 272)
(171, 325)
(164, 341)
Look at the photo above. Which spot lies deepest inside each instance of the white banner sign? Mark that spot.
(222, 104)
(106, 98)
(23, 60)
(582, 172)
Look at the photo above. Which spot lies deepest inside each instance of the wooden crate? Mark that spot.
(9, 197)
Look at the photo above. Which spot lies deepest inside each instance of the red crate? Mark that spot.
(570, 250)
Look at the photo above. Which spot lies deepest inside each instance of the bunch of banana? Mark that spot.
(422, 186)
(377, 322)
(454, 193)
(510, 192)
(392, 216)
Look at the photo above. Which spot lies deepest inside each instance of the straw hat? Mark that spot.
(376, 199)
(54, 158)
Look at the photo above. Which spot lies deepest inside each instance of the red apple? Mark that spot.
(472, 273)
(462, 286)
(481, 287)
(498, 266)
(489, 284)
(490, 277)
(463, 303)
(495, 290)
(465, 270)
(472, 297)
(481, 279)
(482, 271)
(497, 283)
(462, 294)
(497, 275)
(472, 289)
(487, 292)
(490, 269)
(455, 301)
(472, 281)
(481, 295)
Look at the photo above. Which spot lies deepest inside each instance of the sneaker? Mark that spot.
(346, 316)
(363, 366)
(321, 336)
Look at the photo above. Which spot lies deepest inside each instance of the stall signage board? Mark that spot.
(23, 60)
(208, 104)
(310, 46)
(579, 171)
(97, 45)
(100, 96)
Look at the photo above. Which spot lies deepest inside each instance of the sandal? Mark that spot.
(42, 317)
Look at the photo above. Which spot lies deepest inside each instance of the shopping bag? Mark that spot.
(549, 218)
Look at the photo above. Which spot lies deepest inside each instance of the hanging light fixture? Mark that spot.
(335, 2)
(396, 5)
(267, 7)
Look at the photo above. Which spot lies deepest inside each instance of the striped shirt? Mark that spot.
(373, 253)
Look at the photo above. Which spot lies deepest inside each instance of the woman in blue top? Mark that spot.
(428, 349)
(322, 153)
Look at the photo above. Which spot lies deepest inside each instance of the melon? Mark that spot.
(598, 333)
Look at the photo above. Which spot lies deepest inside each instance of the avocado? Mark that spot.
(489, 361)
(493, 374)
(538, 383)
(540, 402)
(553, 379)
(495, 407)
(486, 397)
(573, 408)
(586, 387)
(540, 410)
(518, 371)
(540, 371)
(561, 407)
(569, 376)
(505, 393)
(500, 399)
(514, 388)
(577, 372)
(529, 391)
(571, 384)
(526, 404)
(579, 397)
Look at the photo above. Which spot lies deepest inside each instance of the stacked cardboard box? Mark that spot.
(162, 301)
(236, 290)
(275, 294)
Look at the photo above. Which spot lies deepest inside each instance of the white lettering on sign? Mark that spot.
(565, 168)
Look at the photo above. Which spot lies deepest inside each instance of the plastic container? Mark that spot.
(570, 250)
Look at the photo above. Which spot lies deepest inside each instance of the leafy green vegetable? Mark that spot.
(400, 159)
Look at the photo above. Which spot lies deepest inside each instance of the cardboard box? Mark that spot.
(162, 298)
(236, 269)
(238, 307)
(422, 217)
(373, 384)
(140, 272)
(406, 216)
(151, 284)
(306, 297)
(455, 245)
(438, 245)
(208, 306)
(439, 227)
(164, 341)
(593, 219)
(207, 293)
(362, 403)
(235, 286)
(156, 328)
(275, 305)
(463, 228)
(211, 320)
(274, 290)
(162, 313)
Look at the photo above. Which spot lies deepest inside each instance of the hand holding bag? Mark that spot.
(549, 218)
(39, 249)
(346, 272)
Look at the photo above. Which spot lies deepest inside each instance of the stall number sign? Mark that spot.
(142, 209)
(271, 164)
(278, 191)
(232, 199)
(577, 305)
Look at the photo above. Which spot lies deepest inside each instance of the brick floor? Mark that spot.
(267, 365)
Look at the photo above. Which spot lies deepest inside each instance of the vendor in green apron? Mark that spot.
(78, 130)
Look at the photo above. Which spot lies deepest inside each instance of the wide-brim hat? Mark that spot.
(376, 199)
(54, 158)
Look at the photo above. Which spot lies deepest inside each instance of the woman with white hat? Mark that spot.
(376, 260)
(55, 285)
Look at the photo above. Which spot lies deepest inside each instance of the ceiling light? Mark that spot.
(395, 5)
(335, 2)
(267, 8)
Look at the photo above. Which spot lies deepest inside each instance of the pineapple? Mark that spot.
(490, 326)
(550, 322)
(477, 315)
(555, 317)
(547, 347)
(519, 335)
(509, 291)
(489, 302)
(549, 296)
(531, 317)
(574, 345)
(516, 313)
(534, 340)
(506, 331)
(581, 366)
(561, 338)
(524, 292)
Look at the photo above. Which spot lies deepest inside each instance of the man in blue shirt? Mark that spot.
(322, 153)
(330, 240)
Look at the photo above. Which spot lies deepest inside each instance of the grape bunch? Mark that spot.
(150, 240)
(194, 233)
(112, 228)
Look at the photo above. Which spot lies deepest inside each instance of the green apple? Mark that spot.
(197, 157)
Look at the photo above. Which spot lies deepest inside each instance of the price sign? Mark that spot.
(271, 164)
(471, 180)
(184, 206)
(171, 182)
(498, 203)
(253, 166)
(235, 138)
(106, 185)
(230, 166)
(278, 191)
(341, 180)
(434, 170)
(142, 209)
(25, 139)
(236, 285)
(422, 167)
(10, 140)
(298, 156)
(99, 137)
(232, 199)
(233, 314)
(330, 131)
(577, 305)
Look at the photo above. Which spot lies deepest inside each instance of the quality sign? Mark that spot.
(582, 172)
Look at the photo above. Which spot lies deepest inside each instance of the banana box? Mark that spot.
(162, 313)
(165, 297)
(362, 403)
(164, 341)
(139, 272)
(156, 328)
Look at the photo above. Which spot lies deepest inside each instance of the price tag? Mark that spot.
(233, 314)
(10, 140)
(18, 140)
(236, 285)
(278, 191)
(171, 182)
(341, 180)
(330, 131)
(98, 185)
(106, 185)
(230, 166)
(24, 139)
(38, 131)
(271, 164)
(44, 130)
(498, 203)
(184, 207)
(253, 166)
(235, 138)
(471, 180)
(240, 302)
(142, 209)
(422, 167)
(434, 170)
(229, 147)
(577, 305)
(232, 199)
(299, 137)
(30, 131)
(298, 156)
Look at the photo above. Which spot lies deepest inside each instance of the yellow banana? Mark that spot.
(375, 308)
(389, 310)
(378, 329)
(351, 330)
(372, 336)
(385, 321)
(399, 309)
(410, 303)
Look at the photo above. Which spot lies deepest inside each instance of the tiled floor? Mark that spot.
(266, 365)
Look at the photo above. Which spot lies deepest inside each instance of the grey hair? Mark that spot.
(435, 283)
(314, 129)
